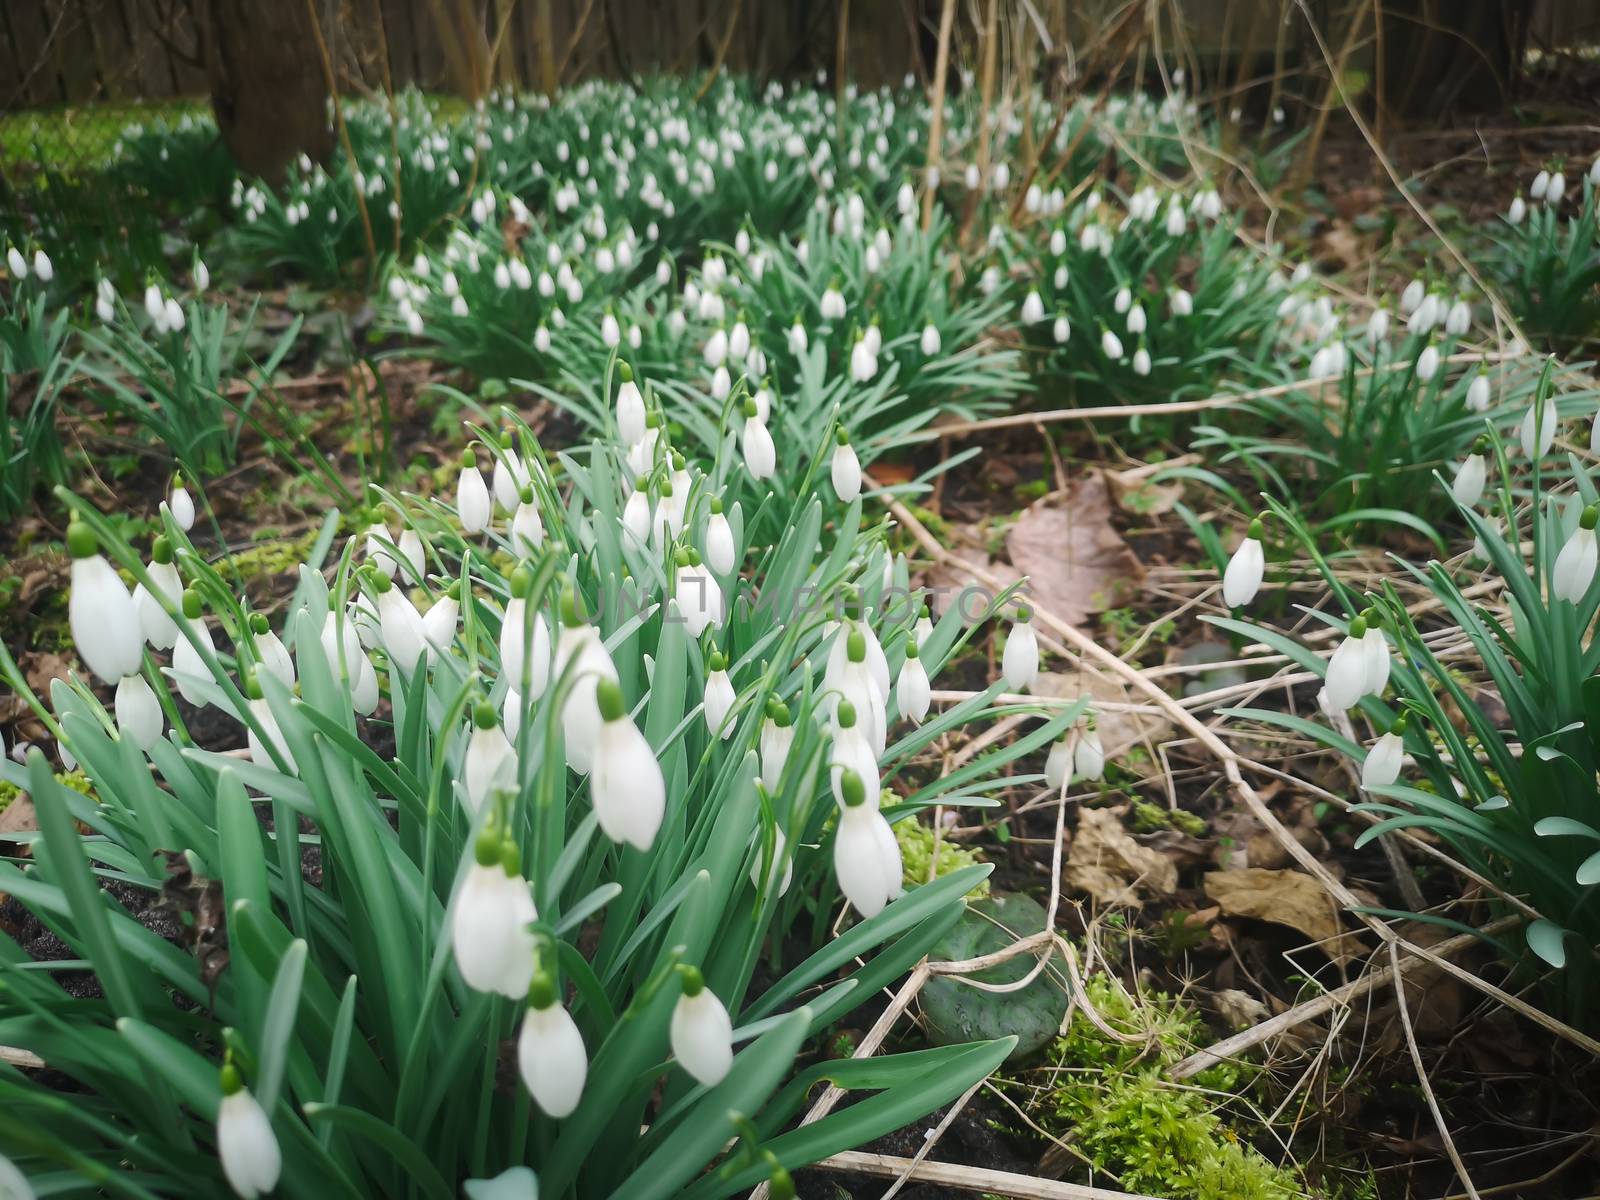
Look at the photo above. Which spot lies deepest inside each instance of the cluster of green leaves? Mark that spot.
(1549, 269)
(35, 365)
(380, 1069)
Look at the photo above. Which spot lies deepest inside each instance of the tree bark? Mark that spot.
(267, 87)
(1442, 57)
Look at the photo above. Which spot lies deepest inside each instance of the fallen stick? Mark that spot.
(971, 1179)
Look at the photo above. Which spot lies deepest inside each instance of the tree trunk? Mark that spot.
(267, 85)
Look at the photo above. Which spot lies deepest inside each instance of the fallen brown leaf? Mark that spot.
(1289, 898)
(1109, 865)
(1077, 564)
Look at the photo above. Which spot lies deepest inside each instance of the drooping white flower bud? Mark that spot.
(1471, 477)
(1089, 756)
(630, 407)
(719, 697)
(760, 454)
(866, 857)
(1032, 308)
(1575, 565)
(246, 1145)
(832, 306)
(489, 936)
(474, 506)
(1517, 211)
(550, 1053)
(1428, 362)
(490, 763)
(845, 468)
(1246, 569)
(400, 623)
(160, 629)
(1478, 395)
(1020, 662)
(720, 553)
(1540, 185)
(1348, 668)
(701, 1031)
(1110, 345)
(101, 613)
(1537, 432)
(139, 717)
(1382, 765)
(625, 783)
(1058, 763)
(930, 340)
(440, 621)
(912, 689)
(186, 660)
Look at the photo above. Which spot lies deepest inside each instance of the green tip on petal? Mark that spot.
(841, 437)
(191, 604)
(258, 624)
(846, 715)
(624, 370)
(911, 648)
(526, 495)
(1590, 516)
(1400, 723)
(1024, 614)
(693, 981)
(852, 789)
(483, 715)
(750, 409)
(252, 685)
(716, 661)
(681, 556)
(716, 506)
(229, 1078)
(161, 549)
(521, 582)
(780, 1184)
(855, 646)
(469, 458)
(1358, 627)
(1255, 532)
(81, 541)
(542, 991)
(454, 590)
(608, 696)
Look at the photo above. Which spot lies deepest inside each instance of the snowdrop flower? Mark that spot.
(1348, 668)
(797, 337)
(1136, 319)
(912, 690)
(1019, 665)
(1382, 765)
(923, 629)
(1459, 319)
(1181, 303)
(399, 622)
(626, 786)
(1478, 391)
(541, 338)
(1110, 345)
(1428, 362)
(720, 553)
(930, 340)
(1032, 308)
(832, 305)
(1537, 432)
(154, 307)
(377, 550)
(1089, 757)
(527, 527)
(186, 660)
(1058, 763)
(866, 857)
(701, 1031)
(1246, 569)
(1540, 185)
(610, 331)
(581, 655)
(845, 469)
(1471, 476)
(261, 748)
(1411, 298)
(473, 505)
(716, 348)
(1122, 301)
(719, 696)
(101, 613)
(696, 593)
(172, 315)
(272, 656)
(760, 454)
(1176, 222)
(251, 1160)
(1141, 361)
(739, 340)
(139, 717)
(489, 936)
(550, 1054)
(160, 630)
(1575, 565)
(863, 362)
(490, 763)
(1377, 326)
(17, 264)
(1557, 188)
(42, 267)
(1517, 211)
(410, 552)
(721, 383)
(439, 622)
(1061, 330)
(105, 302)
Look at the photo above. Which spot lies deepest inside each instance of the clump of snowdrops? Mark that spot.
(596, 760)
(1513, 797)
